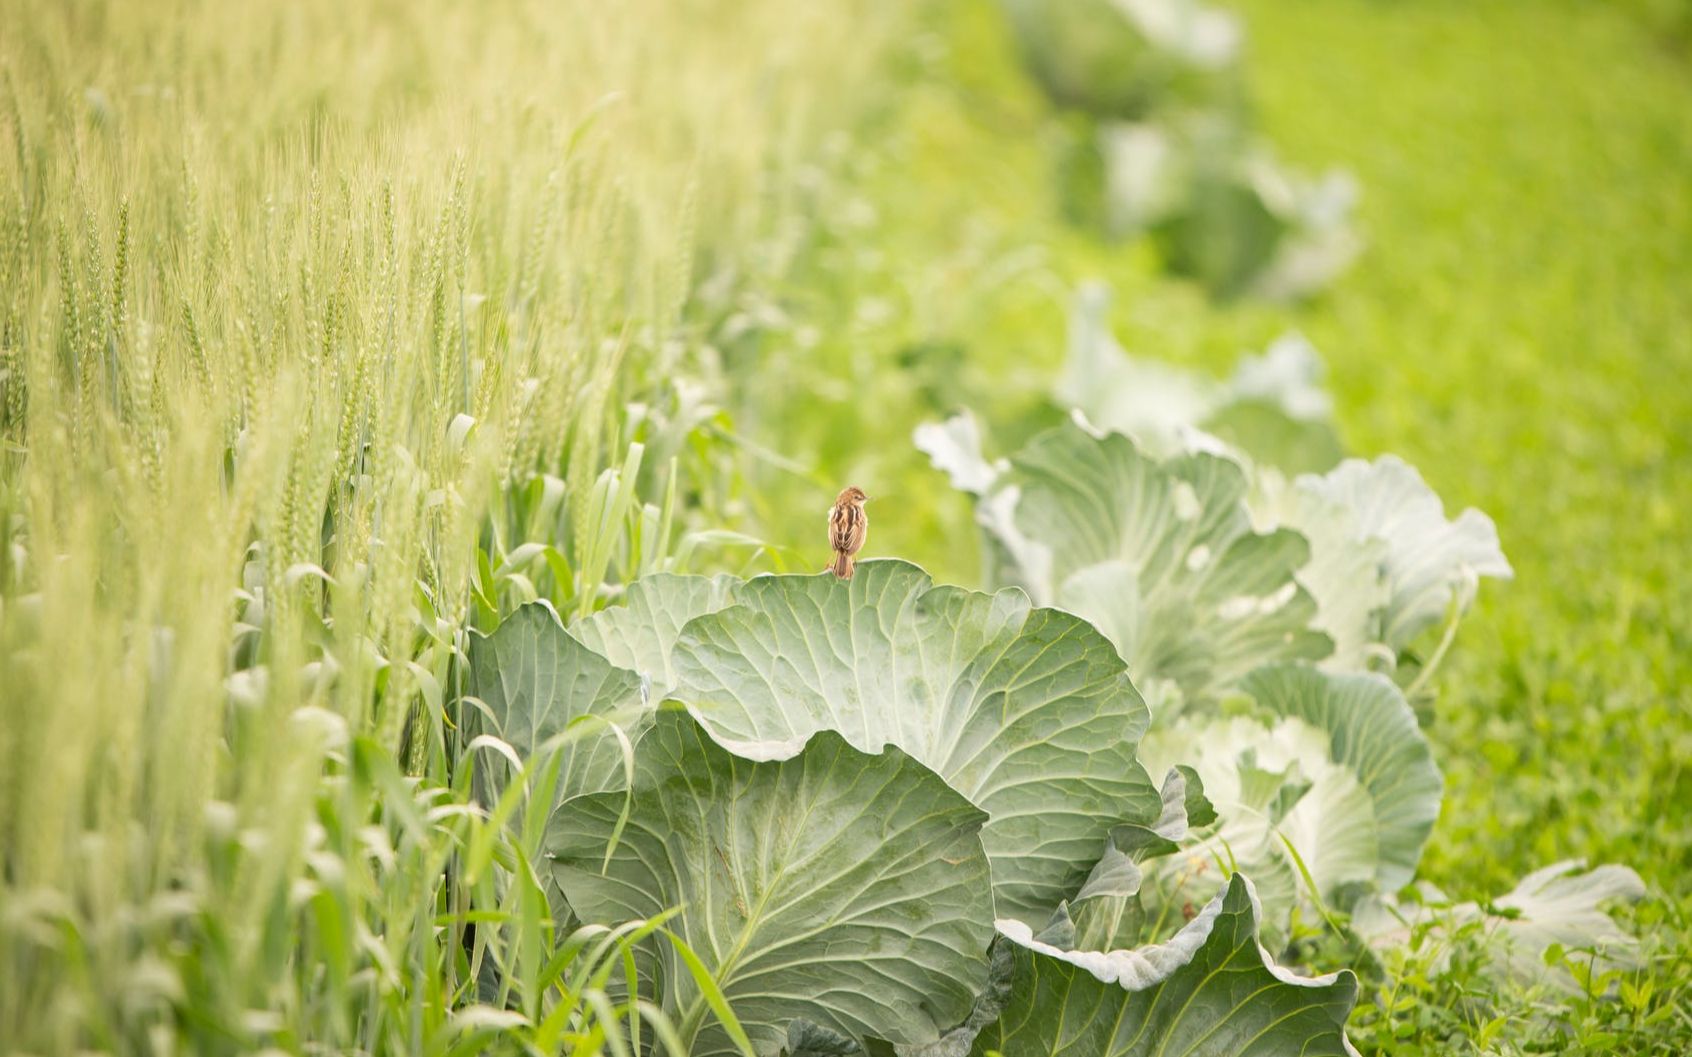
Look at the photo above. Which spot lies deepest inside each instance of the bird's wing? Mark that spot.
(846, 528)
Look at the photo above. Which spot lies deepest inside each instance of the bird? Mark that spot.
(847, 527)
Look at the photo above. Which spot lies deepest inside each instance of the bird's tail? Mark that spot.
(842, 566)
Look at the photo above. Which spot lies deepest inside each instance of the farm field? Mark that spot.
(418, 427)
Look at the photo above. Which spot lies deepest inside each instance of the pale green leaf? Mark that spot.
(954, 447)
(536, 683)
(639, 633)
(846, 889)
(1162, 556)
(1027, 712)
(1430, 561)
(1372, 733)
(1346, 573)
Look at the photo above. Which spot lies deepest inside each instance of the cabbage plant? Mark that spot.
(1268, 654)
(1200, 562)
(870, 808)
(1128, 59)
(1326, 787)
(1280, 624)
(1217, 202)
(1160, 554)
(1386, 563)
(1158, 141)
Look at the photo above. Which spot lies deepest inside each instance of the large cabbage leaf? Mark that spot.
(536, 683)
(639, 633)
(1027, 712)
(1162, 557)
(843, 889)
(1211, 990)
(1327, 777)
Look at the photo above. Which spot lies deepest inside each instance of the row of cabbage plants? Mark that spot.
(1086, 809)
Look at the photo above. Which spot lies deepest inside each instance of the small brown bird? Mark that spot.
(847, 527)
